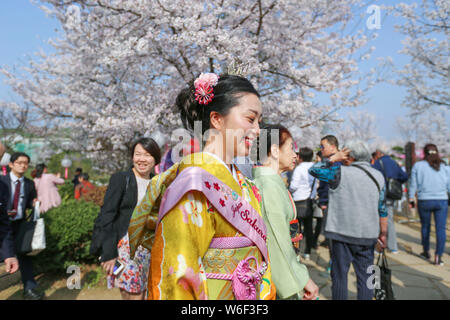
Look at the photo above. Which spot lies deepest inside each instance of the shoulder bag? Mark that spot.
(393, 187)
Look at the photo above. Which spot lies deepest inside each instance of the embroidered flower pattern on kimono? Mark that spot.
(182, 266)
(256, 193)
(188, 278)
(202, 269)
(246, 195)
(193, 208)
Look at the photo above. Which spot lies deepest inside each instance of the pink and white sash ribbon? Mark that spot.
(230, 242)
(227, 202)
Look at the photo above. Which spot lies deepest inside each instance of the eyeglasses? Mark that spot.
(24, 163)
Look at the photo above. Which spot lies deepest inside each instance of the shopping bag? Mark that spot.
(384, 291)
(317, 211)
(30, 238)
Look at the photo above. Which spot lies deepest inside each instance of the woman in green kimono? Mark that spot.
(290, 277)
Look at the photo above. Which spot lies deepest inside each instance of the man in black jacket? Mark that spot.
(22, 193)
(6, 236)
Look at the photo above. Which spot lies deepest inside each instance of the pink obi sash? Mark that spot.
(237, 212)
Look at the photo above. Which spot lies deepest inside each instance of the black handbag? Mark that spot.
(24, 237)
(394, 189)
(305, 207)
(384, 291)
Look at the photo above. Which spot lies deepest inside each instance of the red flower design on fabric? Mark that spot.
(216, 186)
(222, 203)
(207, 185)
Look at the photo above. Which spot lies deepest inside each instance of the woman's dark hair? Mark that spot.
(269, 135)
(40, 169)
(150, 146)
(306, 154)
(226, 95)
(431, 155)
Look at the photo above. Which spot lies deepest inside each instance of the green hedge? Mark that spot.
(68, 236)
(66, 190)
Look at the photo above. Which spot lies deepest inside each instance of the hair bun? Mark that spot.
(188, 106)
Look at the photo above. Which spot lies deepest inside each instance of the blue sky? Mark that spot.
(25, 29)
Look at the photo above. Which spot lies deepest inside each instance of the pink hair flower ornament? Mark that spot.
(204, 84)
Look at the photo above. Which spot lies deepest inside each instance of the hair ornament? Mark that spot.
(204, 84)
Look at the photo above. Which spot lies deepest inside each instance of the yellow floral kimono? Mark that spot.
(181, 256)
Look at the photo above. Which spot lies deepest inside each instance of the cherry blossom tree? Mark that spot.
(118, 65)
(358, 125)
(428, 127)
(426, 42)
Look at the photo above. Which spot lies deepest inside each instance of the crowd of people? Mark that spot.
(17, 195)
(217, 225)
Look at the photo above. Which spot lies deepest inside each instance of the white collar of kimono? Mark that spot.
(234, 173)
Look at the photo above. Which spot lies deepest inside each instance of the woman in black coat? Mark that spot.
(110, 238)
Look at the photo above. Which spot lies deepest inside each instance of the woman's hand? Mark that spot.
(411, 203)
(108, 266)
(311, 291)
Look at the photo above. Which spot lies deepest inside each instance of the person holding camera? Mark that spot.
(110, 238)
(430, 179)
(357, 216)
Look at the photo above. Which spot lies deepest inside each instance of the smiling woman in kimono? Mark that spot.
(201, 217)
(290, 277)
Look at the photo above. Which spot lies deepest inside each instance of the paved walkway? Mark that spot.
(413, 277)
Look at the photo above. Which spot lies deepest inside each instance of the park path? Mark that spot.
(413, 278)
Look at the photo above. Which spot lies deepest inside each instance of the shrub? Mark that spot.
(96, 195)
(68, 235)
(66, 190)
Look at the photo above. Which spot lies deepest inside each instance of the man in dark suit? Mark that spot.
(22, 193)
(6, 236)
